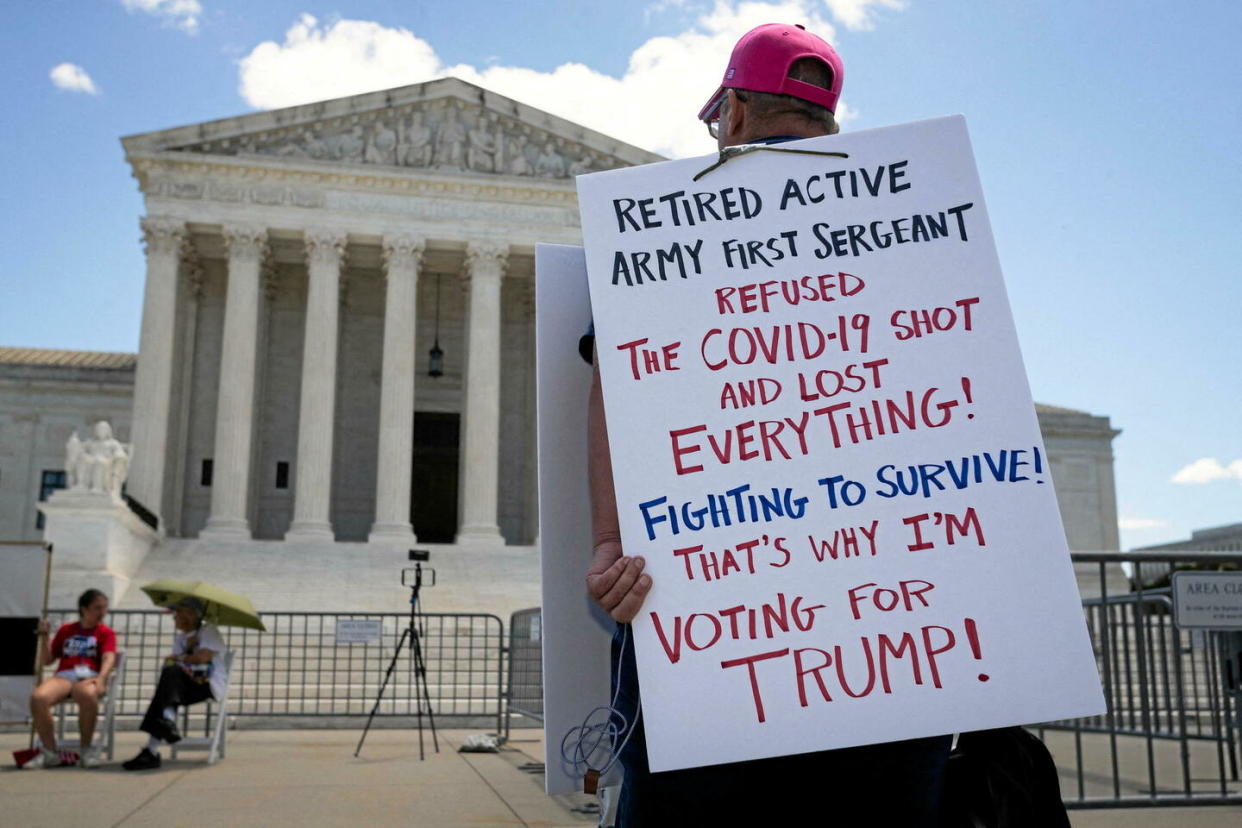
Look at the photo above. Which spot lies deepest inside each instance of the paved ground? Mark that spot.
(300, 778)
(295, 778)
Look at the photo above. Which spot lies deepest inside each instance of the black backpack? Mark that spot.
(1002, 778)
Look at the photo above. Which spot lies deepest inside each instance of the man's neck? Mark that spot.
(782, 127)
(775, 139)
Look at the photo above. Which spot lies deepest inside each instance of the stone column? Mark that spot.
(325, 250)
(531, 409)
(192, 285)
(402, 257)
(230, 485)
(153, 380)
(485, 263)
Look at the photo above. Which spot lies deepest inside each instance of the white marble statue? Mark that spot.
(416, 150)
(98, 466)
(550, 162)
(582, 165)
(450, 141)
(348, 146)
(73, 456)
(484, 145)
(519, 164)
(382, 148)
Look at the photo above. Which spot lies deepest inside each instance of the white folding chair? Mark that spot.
(217, 713)
(105, 725)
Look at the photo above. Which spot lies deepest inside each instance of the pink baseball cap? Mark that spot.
(760, 62)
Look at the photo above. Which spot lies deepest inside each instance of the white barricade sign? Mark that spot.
(1207, 600)
(358, 630)
(824, 445)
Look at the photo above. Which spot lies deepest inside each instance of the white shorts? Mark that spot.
(77, 673)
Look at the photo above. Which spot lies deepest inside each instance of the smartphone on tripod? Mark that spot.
(413, 578)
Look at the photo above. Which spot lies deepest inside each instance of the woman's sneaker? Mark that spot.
(48, 759)
(90, 757)
(145, 760)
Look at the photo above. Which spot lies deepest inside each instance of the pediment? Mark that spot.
(444, 125)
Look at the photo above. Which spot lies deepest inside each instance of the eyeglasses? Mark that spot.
(713, 123)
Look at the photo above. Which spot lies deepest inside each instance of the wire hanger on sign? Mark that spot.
(729, 153)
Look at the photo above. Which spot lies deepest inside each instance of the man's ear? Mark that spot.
(736, 116)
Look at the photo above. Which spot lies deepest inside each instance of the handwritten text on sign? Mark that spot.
(825, 447)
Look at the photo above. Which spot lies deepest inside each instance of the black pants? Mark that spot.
(175, 689)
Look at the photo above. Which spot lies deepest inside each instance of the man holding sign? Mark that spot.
(782, 84)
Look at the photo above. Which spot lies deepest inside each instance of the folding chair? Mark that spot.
(212, 739)
(106, 723)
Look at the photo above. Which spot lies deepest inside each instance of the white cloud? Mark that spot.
(1208, 470)
(73, 78)
(345, 58)
(856, 14)
(180, 14)
(1138, 524)
(652, 104)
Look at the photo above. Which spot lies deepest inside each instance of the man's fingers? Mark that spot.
(600, 583)
(620, 589)
(628, 608)
(623, 584)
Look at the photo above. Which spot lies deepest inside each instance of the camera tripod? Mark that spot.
(423, 696)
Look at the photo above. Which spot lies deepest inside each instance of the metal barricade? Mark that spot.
(524, 693)
(1170, 736)
(298, 673)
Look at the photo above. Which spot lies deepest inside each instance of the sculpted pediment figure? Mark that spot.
(446, 133)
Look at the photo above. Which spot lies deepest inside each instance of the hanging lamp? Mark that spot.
(435, 362)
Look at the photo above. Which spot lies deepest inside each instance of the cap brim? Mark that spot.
(711, 109)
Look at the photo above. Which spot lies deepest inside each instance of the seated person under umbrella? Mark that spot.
(193, 673)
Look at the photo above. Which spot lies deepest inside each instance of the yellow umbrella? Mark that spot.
(224, 608)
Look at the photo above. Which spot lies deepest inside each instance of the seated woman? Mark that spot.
(193, 673)
(87, 653)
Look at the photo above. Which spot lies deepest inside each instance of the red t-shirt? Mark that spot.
(74, 645)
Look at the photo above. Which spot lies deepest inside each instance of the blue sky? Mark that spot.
(1105, 132)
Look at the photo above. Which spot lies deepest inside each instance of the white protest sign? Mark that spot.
(575, 633)
(824, 445)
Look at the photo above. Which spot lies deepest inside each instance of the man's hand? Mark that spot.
(617, 583)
